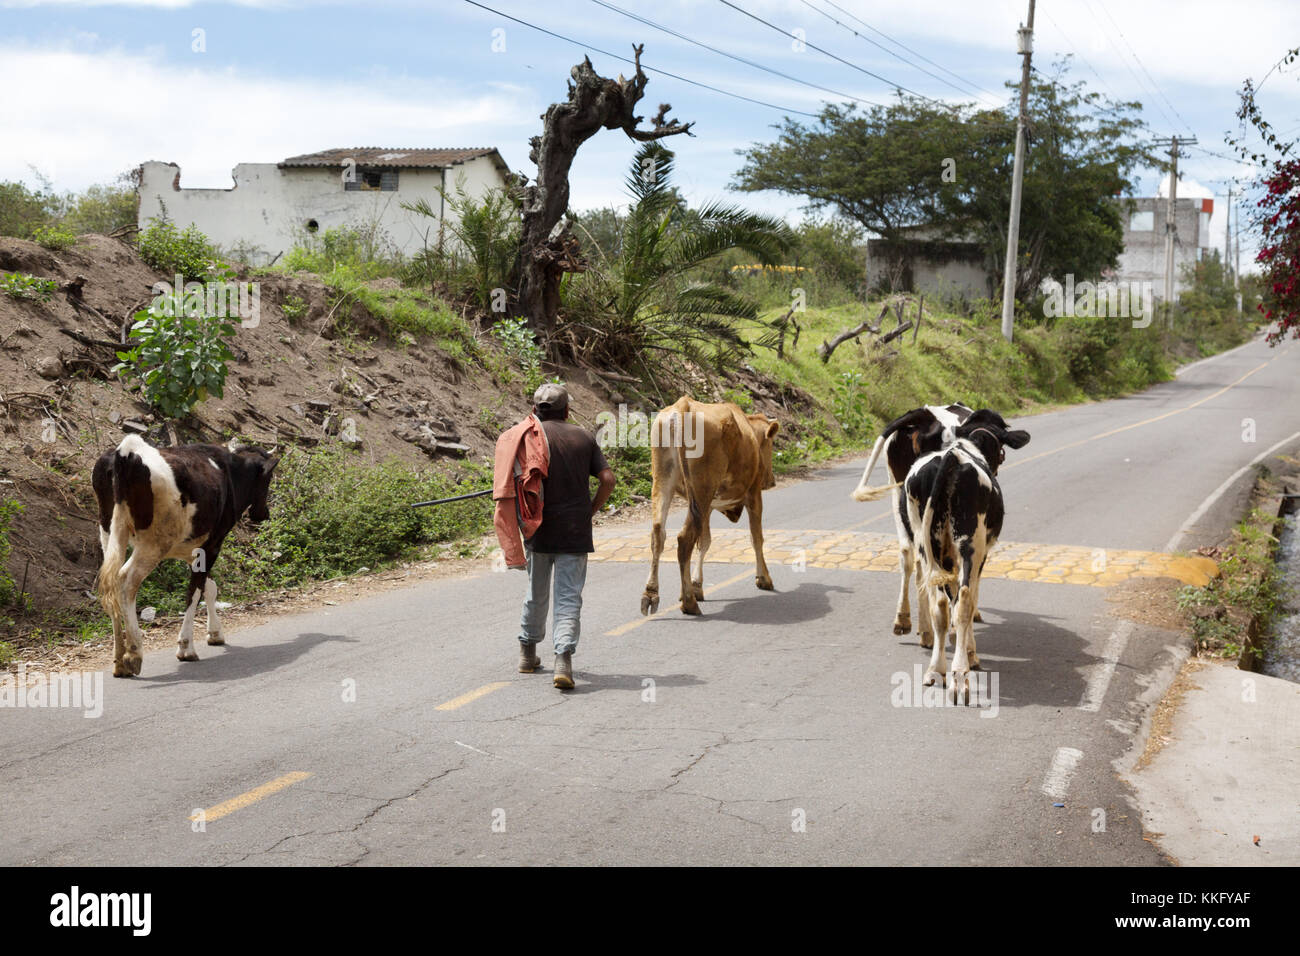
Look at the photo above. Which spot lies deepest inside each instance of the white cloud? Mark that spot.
(97, 115)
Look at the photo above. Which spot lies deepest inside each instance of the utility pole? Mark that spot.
(1236, 266)
(1171, 226)
(1227, 236)
(1025, 46)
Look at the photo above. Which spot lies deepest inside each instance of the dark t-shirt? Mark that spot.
(566, 491)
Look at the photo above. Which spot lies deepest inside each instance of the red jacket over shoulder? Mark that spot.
(522, 460)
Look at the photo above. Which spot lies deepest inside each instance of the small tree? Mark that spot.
(653, 292)
(180, 354)
(594, 103)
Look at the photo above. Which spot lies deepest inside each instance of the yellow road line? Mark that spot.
(638, 621)
(472, 696)
(877, 551)
(244, 799)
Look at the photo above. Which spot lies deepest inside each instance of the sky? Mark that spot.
(95, 88)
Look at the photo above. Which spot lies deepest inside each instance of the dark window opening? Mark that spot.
(312, 225)
(364, 179)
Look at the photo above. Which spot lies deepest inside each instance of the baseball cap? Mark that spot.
(551, 397)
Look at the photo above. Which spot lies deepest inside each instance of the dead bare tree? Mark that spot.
(547, 248)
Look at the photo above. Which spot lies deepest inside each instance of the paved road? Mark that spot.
(764, 731)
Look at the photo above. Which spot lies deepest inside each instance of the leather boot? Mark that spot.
(564, 670)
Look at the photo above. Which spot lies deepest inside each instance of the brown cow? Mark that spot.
(718, 459)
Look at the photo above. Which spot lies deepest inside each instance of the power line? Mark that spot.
(1142, 87)
(588, 46)
(876, 76)
(1202, 149)
(1066, 37)
(940, 66)
(739, 59)
(1154, 85)
(885, 48)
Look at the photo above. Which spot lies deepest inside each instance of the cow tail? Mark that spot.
(864, 492)
(936, 517)
(679, 427)
(109, 581)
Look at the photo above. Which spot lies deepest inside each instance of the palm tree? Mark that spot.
(652, 294)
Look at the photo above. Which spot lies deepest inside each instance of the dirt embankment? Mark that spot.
(293, 382)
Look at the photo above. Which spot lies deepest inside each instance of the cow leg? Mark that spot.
(686, 539)
(137, 568)
(701, 548)
(185, 643)
(661, 500)
(214, 621)
(937, 601)
(964, 654)
(903, 616)
(959, 685)
(906, 558)
(755, 508)
(924, 622)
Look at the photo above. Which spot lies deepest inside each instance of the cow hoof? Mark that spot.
(121, 670)
(902, 625)
(216, 640)
(927, 639)
(698, 591)
(765, 584)
(183, 655)
(979, 618)
(128, 666)
(933, 677)
(649, 604)
(959, 689)
(690, 607)
(975, 663)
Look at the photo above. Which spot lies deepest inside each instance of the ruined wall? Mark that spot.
(269, 209)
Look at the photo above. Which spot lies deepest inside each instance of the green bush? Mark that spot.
(186, 253)
(517, 339)
(9, 509)
(294, 308)
(55, 238)
(20, 285)
(333, 513)
(485, 234)
(179, 355)
(362, 252)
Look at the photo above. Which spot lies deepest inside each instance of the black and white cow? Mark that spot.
(170, 503)
(903, 441)
(955, 504)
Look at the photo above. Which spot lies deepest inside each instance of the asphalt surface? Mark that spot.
(765, 731)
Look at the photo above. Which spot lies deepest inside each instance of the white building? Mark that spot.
(1143, 258)
(273, 206)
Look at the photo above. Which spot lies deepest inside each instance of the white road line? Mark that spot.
(1057, 781)
(1186, 527)
(1104, 670)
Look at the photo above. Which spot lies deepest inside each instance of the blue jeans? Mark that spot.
(570, 576)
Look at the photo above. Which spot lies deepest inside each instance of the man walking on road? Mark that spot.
(561, 544)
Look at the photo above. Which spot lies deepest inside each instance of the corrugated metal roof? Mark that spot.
(378, 156)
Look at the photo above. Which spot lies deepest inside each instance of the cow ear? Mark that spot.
(772, 429)
(269, 464)
(1016, 439)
